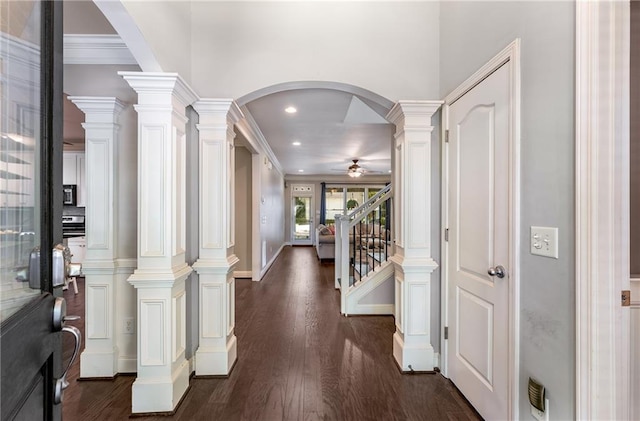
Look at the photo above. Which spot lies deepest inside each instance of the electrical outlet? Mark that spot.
(544, 241)
(129, 326)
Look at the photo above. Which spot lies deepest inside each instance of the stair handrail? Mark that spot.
(370, 201)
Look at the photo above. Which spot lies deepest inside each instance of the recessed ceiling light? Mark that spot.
(389, 170)
(296, 143)
(290, 110)
(300, 170)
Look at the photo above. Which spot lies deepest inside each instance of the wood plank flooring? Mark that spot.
(298, 359)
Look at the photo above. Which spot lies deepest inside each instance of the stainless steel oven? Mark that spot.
(69, 197)
(72, 226)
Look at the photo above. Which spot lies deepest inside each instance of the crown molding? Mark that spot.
(96, 49)
(249, 128)
(413, 113)
(149, 84)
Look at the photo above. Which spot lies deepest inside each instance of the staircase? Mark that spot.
(364, 273)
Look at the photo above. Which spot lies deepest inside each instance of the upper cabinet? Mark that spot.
(73, 172)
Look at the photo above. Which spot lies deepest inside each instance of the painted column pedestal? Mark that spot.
(100, 356)
(217, 351)
(163, 371)
(413, 263)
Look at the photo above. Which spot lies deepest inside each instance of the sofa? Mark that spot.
(370, 236)
(325, 242)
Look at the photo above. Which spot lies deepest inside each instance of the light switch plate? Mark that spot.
(544, 241)
(541, 415)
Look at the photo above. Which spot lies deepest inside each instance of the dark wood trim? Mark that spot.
(51, 134)
(34, 322)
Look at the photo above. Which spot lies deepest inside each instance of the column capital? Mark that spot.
(98, 109)
(413, 113)
(213, 107)
(160, 88)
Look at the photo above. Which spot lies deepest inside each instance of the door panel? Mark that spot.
(479, 227)
(475, 180)
(28, 351)
(30, 206)
(475, 335)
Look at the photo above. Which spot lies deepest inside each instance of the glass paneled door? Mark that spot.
(31, 210)
(302, 228)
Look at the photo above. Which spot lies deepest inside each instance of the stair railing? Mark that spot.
(363, 242)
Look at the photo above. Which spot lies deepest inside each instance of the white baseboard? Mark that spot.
(436, 359)
(372, 309)
(242, 274)
(270, 262)
(127, 365)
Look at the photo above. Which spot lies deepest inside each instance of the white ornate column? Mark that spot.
(217, 350)
(163, 371)
(412, 260)
(100, 355)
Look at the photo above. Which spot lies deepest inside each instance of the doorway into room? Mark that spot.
(302, 206)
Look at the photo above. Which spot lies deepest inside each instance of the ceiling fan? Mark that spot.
(355, 170)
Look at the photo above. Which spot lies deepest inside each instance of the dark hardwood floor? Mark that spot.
(298, 359)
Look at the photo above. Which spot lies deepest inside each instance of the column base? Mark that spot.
(420, 357)
(159, 394)
(98, 364)
(216, 361)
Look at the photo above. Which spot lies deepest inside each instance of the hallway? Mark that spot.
(298, 359)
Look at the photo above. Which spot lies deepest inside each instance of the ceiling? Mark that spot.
(332, 126)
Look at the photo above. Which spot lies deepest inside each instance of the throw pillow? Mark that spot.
(323, 230)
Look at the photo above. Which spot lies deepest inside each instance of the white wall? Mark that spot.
(471, 33)
(83, 17)
(244, 209)
(272, 216)
(635, 138)
(166, 26)
(389, 48)
(436, 210)
(192, 229)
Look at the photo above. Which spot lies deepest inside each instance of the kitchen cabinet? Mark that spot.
(74, 172)
(69, 168)
(78, 247)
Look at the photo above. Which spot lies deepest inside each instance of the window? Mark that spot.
(341, 199)
(334, 198)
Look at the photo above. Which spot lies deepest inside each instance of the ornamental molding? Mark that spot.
(96, 49)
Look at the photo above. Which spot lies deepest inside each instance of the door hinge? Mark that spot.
(446, 332)
(446, 136)
(446, 234)
(626, 298)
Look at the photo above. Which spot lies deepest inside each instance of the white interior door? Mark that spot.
(479, 231)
